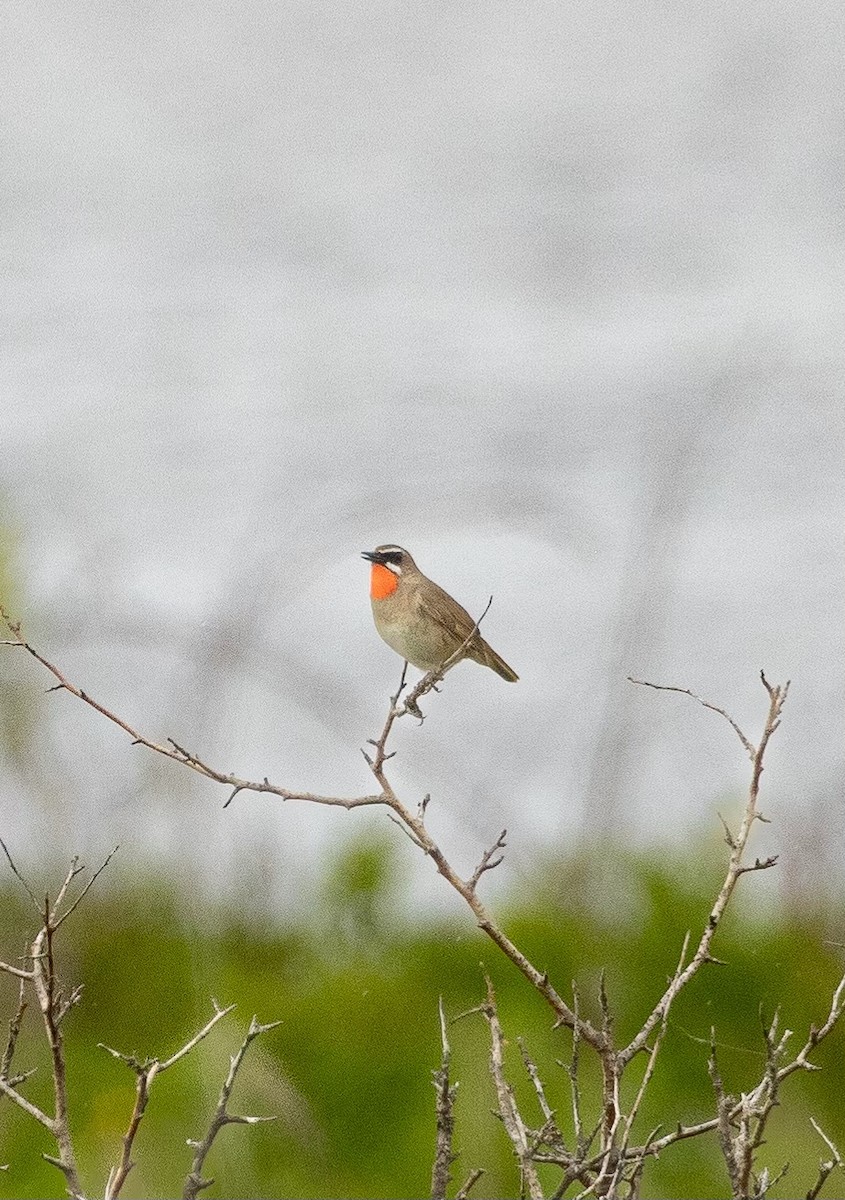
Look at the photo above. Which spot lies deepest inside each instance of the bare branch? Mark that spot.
(471, 1180)
(758, 865)
(219, 1014)
(73, 870)
(19, 972)
(534, 1076)
(772, 1078)
(581, 1145)
(14, 1032)
(825, 1168)
(194, 1183)
(27, 1106)
(489, 859)
(736, 868)
(147, 1071)
(723, 1124)
(414, 823)
(610, 1161)
(800, 1062)
(85, 890)
(508, 1110)
(646, 1080)
(441, 1171)
(174, 751)
(17, 873)
(409, 833)
(663, 687)
(44, 985)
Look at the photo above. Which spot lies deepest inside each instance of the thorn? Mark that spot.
(239, 788)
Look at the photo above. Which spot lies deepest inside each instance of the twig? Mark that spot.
(146, 1072)
(219, 1013)
(663, 687)
(414, 823)
(777, 698)
(723, 1108)
(444, 1109)
(174, 751)
(19, 972)
(27, 1106)
(581, 1145)
(17, 873)
(471, 1180)
(508, 1110)
(800, 1062)
(386, 796)
(194, 1183)
(14, 1031)
(57, 922)
(44, 984)
(825, 1168)
(54, 1004)
(534, 1076)
(489, 859)
(646, 1080)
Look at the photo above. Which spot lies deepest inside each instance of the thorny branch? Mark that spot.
(616, 1160)
(441, 1172)
(826, 1167)
(508, 1110)
(413, 823)
(194, 1182)
(737, 843)
(147, 1071)
(174, 751)
(54, 1004)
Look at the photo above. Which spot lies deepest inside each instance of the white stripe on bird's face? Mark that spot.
(391, 557)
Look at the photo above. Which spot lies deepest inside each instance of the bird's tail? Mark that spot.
(488, 657)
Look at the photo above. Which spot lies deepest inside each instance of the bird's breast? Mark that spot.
(383, 582)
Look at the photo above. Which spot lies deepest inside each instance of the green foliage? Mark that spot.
(348, 1073)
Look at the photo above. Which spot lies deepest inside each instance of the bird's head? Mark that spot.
(390, 563)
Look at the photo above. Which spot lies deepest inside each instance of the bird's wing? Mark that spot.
(436, 605)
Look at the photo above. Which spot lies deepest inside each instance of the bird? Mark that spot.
(420, 621)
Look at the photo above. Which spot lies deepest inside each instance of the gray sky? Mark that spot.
(551, 294)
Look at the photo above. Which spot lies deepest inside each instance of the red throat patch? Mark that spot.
(383, 582)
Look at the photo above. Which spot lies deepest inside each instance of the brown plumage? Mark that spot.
(420, 621)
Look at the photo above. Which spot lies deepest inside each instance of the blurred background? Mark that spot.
(549, 294)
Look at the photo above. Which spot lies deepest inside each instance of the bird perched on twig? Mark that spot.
(420, 621)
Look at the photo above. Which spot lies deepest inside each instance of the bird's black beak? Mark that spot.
(371, 556)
